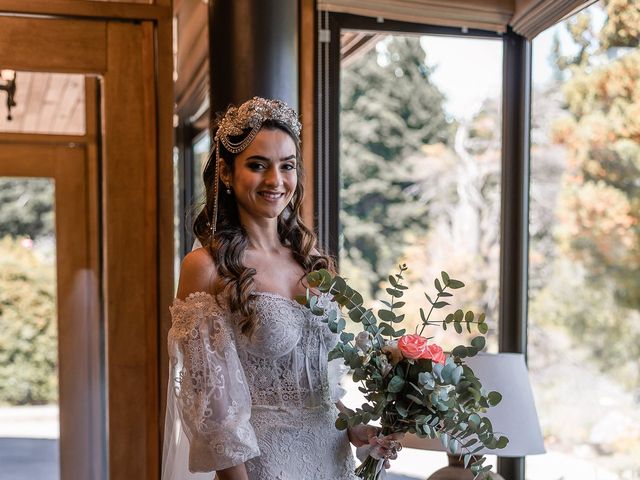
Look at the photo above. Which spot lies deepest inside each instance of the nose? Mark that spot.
(273, 176)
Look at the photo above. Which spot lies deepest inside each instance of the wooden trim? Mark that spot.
(307, 85)
(77, 307)
(65, 46)
(37, 138)
(90, 9)
(166, 209)
(74, 282)
(96, 337)
(131, 250)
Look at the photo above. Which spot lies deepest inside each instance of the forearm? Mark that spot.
(237, 472)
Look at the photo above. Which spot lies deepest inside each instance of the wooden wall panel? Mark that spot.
(39, 49)
(131, 251)
(165, 205)
(90, 9)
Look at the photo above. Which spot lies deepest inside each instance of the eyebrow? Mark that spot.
(260, 157)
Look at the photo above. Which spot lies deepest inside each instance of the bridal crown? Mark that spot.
(250, 115)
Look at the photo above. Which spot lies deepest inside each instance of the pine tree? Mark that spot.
(390, 111)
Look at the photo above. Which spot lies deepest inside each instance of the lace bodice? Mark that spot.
(259, 399)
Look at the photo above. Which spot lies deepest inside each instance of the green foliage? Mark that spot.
(601, 194)
(586, 280)
(26, 207)
(28, 329)
(439, 398)
(389, 112)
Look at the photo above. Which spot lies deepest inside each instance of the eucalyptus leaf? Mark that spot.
(494, 398)
(460, 351)
(478, 342)
(386, 315)
(396, 384)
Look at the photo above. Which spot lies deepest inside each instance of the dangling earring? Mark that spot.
(228, 189)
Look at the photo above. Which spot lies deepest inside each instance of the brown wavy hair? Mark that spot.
(235, 280)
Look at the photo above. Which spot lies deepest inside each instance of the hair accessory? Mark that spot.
(250, 115)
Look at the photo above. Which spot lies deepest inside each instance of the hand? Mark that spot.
(361, 434)
(366, 438)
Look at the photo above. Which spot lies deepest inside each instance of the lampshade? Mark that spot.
(515, 416)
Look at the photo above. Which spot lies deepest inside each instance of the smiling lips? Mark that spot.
(271, 196)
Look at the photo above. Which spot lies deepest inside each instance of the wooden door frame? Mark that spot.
(133, 59)
(77, 279)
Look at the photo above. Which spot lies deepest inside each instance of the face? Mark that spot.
(264, 177)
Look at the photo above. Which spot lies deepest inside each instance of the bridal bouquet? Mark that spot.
(410, 383)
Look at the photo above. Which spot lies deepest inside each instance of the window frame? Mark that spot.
(514, 213)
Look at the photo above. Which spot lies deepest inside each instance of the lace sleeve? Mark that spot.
(207, 387)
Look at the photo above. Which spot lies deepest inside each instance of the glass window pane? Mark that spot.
(29, 426)
(201, 146)
(420, 173)
(584, 287)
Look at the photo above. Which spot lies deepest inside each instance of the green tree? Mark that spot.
(26, 207)
(390, 111)
(599, 202)
(28, 327)
(602, 136)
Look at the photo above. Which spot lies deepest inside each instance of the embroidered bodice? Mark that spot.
(267, 400)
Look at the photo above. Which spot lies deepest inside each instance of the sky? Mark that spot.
(468, 70)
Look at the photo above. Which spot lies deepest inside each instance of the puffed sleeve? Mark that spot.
(208, 396)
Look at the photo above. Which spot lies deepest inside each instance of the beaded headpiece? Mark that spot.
(236, 120)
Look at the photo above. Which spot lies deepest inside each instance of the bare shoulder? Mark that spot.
(197, 273)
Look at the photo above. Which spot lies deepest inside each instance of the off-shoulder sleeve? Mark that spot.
(208, 396)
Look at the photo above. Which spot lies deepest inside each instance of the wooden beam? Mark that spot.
(131, 250)
(27, 46)
(37, 138)
(89, 9)
(165, 214)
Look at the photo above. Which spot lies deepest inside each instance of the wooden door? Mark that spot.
(114, 216)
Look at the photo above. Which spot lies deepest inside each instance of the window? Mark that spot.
(584, 256)
(419, 170)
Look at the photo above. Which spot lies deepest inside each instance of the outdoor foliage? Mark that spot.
(599, 204)
(28, 330)
(390, 111)
(26, 207)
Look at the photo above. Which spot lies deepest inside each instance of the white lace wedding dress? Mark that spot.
(267, 401)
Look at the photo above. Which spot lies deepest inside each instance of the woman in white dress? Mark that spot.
(251, 394)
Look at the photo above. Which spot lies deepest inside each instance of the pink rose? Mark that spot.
(412, 346)
(434, 353)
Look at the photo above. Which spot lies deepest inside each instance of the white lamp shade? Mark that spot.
(515, 416)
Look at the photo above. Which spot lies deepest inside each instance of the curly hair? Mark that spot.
(234, 280)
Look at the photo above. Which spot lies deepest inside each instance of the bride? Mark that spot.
(251, 394)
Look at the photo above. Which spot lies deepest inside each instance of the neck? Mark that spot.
(262, 234)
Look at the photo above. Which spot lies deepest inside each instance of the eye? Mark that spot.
(289, 166)
(257, 166)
